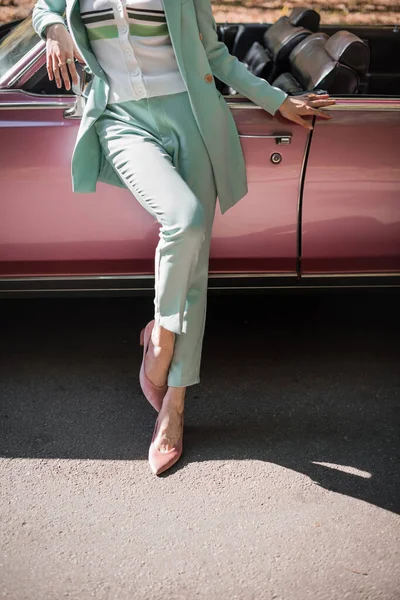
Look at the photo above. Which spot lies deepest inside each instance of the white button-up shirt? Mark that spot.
(131, 42)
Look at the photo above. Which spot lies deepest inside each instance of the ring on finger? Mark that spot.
(69, 61)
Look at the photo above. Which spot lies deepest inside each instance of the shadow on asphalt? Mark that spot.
(293, 380)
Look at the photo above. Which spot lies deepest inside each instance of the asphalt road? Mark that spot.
(288, 488)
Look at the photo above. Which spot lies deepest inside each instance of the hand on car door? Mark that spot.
(295, 107)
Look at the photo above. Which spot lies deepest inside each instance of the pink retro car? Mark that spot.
(323, 208)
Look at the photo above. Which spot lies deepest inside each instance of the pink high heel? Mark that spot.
(154, 393)
(161, 461)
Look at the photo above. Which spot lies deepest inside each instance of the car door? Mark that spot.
(259, 234)
(351, 201)
(45, 228)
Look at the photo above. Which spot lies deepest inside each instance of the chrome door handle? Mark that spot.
(282, 139)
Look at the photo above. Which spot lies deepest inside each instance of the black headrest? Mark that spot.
(349, 50)
(309, 44)
(281, 37)
(304, 17)
(313, 68)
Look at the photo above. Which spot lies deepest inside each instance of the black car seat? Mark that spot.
(306, 50)
(334, 64)
(246, 35)
(284, 35)
(258, 61)
(279, 40)
(269, 62)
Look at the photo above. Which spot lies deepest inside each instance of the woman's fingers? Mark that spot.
(49, 66)
(319, 103)
(314, 96)
(65, 75)
(298, 119)
(56, 69)
(57, 66)
(60, 49)
(323, 114)
(74, 74)
(317, 100)
(318, 112)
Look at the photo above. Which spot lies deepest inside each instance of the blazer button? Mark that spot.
(209, 78)
(201, 36)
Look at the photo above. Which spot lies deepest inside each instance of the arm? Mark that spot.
(47, 13)
(229, 69)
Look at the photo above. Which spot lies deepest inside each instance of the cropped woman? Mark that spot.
(155, 123)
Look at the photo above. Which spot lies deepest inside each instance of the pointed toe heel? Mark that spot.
(154, 393)
(161, 461)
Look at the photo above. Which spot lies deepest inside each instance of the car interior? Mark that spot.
(298, 55)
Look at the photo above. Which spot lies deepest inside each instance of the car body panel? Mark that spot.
(351, 199)
(45, 228)
(260, 232)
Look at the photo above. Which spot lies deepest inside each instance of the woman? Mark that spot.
(155, 123)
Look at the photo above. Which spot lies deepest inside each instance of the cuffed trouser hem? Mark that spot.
(182, 383)
(172, 323)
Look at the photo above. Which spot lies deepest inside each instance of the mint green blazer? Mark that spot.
(192, 29)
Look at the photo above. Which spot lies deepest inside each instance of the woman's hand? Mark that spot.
(60, 55)
(294, 107)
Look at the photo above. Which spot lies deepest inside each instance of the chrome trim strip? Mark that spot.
(277, 136)
(250, 275)
(367, 104)
(150, 278)
(136, 277)
(36, 57)
(35, 105)
(236, 105)
(73, 290)
(308, 287)
(243, 105)
(356, 275)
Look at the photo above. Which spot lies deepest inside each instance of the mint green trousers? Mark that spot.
(155, 146)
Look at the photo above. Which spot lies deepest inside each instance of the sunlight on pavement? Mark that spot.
(345, 469)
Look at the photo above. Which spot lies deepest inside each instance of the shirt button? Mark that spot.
(209, 78)
(135, 72)
(124, 29)
(128, 51)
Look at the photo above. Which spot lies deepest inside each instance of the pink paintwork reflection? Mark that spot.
(47, 229)
(351, 204)
(259, 233)
(350, 209)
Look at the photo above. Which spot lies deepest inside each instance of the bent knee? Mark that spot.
(191, 225)
(195, 225)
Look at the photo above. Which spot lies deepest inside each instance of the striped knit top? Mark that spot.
(131, 42)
